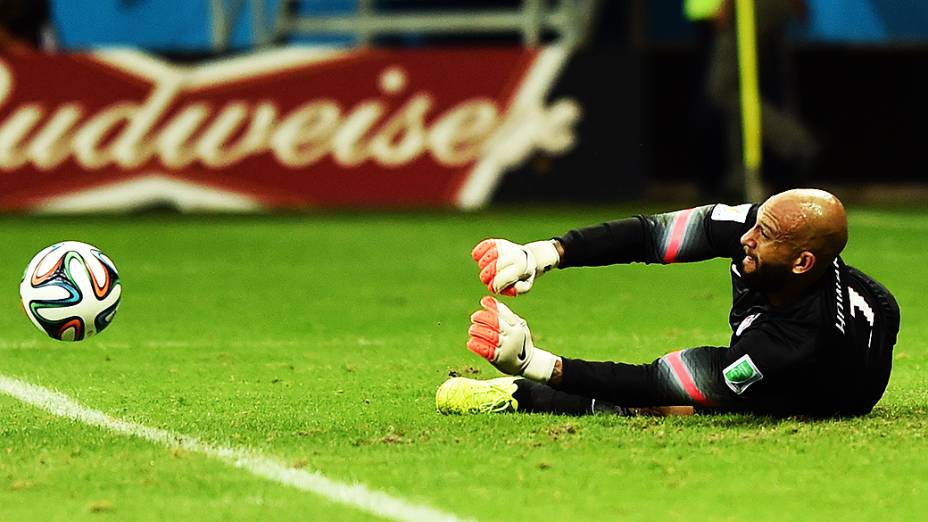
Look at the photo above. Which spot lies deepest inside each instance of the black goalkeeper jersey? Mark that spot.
(828, 353)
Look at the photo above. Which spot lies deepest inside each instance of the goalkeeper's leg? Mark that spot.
(508, 394)
(534, 397)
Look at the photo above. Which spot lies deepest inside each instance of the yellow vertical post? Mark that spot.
(750, 99)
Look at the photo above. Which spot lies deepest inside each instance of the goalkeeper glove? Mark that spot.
(510, 269)
(502, 337)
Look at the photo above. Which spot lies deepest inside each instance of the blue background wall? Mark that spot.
(166, 25)
(878, 22)
(185, 25)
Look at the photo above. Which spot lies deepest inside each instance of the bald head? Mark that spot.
(812, 220)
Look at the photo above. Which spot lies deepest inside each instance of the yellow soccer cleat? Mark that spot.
(459, 395)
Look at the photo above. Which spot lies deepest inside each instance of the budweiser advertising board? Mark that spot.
(292, 128)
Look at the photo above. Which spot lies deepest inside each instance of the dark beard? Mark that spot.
(767, 278)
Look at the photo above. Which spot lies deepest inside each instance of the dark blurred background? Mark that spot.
(852, 73)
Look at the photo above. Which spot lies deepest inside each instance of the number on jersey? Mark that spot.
(857, 302)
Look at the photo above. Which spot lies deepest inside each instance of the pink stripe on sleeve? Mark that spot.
(677, 231)
(682, 373)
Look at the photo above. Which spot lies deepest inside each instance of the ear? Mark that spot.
(804, 263)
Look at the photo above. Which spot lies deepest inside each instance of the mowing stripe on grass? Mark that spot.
(354, 495)
(885, 220)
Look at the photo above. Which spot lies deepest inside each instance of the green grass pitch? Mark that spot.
(320, 340)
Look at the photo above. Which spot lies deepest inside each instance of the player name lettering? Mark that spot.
(177, 133)
(839, 304)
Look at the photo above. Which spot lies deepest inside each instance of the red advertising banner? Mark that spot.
(291, 128)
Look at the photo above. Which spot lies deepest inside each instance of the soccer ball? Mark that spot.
(70, 290)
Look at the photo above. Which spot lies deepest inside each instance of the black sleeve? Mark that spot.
(758, 374)
(685, 377)
(693, 234)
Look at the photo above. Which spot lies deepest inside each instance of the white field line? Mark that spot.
(356, 495)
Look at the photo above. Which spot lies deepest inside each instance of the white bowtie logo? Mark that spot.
(745, 324)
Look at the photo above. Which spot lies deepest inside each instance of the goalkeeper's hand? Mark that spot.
(502, 337)
(510, 269)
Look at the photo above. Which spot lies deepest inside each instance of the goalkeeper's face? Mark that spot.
(769, 251)
(797, 234)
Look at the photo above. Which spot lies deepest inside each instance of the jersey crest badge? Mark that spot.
(745, 323)
(741, 374)
(737, 214)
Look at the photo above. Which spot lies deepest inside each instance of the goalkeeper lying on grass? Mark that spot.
(810, 335)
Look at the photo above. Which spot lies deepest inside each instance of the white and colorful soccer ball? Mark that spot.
(70, 290)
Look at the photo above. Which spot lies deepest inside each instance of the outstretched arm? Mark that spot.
(685, 235)
(759, 372)
(693, 234)
(683, 378)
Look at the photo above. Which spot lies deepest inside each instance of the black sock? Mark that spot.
(541, 398)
